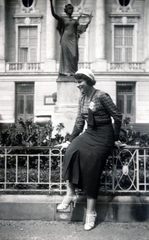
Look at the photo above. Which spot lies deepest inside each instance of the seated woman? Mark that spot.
(86, 153)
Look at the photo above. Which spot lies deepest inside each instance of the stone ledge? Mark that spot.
(43, 207)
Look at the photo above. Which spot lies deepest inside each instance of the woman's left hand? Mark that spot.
(119, 144)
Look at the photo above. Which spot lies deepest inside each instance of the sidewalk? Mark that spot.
(55, 230)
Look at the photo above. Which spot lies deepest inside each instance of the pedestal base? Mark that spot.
(67, 102)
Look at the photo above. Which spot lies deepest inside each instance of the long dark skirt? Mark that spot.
(86, 157)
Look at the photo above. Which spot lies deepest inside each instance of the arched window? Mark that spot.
(76, 2)
(27, 3)
(124, 3)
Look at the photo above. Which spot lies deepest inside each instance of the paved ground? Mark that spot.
(53, 230)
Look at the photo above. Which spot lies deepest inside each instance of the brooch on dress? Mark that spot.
(91, 106)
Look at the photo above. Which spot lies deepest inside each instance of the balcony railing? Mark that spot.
(40, 169)
(24, 67)
(126, 67)
(111, 66)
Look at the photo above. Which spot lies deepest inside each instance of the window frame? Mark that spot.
(27, 6)
(124, 24)
(25, 94)
(122, 5)
(125, 95)
(124, 47)
(27, 45)
(38, 39)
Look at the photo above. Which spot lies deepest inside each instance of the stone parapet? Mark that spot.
(43, 207)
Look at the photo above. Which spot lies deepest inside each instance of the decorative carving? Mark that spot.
(19, 20)
(124, 8)
(27, 20)
(116, 19)
(119, 10)
(29, 9)
(132, 20)
(35, 20)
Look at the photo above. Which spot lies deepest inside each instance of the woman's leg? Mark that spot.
(90, 214)
(69, 197)
(70, 188)
(90, 205)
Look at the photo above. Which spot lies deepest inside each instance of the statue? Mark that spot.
(69, 29)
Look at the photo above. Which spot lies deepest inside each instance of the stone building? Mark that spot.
(115, 46)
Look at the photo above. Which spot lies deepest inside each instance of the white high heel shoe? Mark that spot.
(90, 221)
(67, 200)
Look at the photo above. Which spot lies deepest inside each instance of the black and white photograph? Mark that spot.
(74, 119)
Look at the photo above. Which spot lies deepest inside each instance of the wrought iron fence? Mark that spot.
(40, 169)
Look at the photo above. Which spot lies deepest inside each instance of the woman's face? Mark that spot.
(82, 85)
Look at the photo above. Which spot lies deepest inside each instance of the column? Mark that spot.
(100, 64)
(2, 36)
(50, 63)
(146, 36)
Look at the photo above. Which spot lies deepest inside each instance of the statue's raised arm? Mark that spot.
(53, 11)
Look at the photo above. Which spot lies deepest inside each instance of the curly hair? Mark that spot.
(69, 5)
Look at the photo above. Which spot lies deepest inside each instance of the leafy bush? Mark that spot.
(29, 134)
(132, 137)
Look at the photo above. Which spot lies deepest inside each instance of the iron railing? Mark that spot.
(40, 169)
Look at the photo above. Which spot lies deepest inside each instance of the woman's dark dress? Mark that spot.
(86, 156)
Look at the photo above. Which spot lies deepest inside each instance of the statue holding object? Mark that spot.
(69, 29)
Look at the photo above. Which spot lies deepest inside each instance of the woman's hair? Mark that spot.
(68, 6)
(81, 76)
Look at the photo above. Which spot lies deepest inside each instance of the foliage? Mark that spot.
(29, 134)
(132, 137)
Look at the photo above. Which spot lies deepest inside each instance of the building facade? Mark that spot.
(115, 46)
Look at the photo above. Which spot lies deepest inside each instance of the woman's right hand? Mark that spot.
(63, 145)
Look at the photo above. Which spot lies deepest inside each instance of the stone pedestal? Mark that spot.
(67, 102)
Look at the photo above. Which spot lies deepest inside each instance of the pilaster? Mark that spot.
(2, 36)
(50, 63)
(146, 35)
(100, 64)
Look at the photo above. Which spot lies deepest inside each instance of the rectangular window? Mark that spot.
(123, 43)
(126, 99)
(24, 101)
(27, 44)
